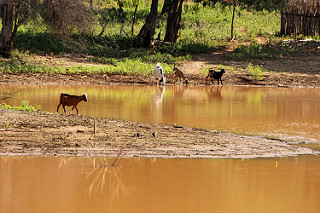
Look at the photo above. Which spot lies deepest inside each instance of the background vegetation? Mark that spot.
(203, 29)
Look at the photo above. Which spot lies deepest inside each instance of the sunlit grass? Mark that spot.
(255, 71)
(24, 63)
(25, 106)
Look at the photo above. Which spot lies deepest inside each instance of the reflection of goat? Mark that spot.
(214, 93)
(215, 75)
(178, 75)
(71, 100)
(158, 96)
(158, 74)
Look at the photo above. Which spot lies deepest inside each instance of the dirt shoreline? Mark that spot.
(43, 133)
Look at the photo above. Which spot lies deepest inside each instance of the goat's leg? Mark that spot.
(58, 107)
(212, 81)
(155, 79)
(72, 109)
(221, 81)
(176, 79)
(77, 110)
(207, 79)
(64, 107)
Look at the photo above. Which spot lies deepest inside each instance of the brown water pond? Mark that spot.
(285, 113)
(76, 185)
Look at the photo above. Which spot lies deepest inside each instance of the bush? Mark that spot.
(255, 71)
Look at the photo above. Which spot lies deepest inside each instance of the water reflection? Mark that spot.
(287, 113)
(214, 93)
(38, 184)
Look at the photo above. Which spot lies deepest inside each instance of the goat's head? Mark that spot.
(223, 71)
(186, 81)
(85, 97)
(158, 66)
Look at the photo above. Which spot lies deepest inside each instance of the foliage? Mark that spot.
(65, 17)
(255, 71)
(202, 30)
(25, 106)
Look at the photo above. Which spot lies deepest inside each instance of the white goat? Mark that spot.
(158, 74)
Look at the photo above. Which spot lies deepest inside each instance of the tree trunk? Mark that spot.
(232, 21)
(173, 21)
(6, 42)
(145, 37)
(166, 6)
(134, 19)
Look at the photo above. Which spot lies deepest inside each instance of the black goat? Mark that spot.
(71, 100)
(215, 75)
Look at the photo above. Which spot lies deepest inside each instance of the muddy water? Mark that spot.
(286, 113)
(75, 185)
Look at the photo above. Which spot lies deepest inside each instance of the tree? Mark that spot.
(61, 16)
(13, 14)
(166, 6)
(145, 37)
(232, 20)
(173, 21)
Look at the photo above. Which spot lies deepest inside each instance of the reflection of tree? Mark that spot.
(102, 177)
(6, 95)
(106, 177)
(64, 162)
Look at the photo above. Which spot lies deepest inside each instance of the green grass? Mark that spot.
(25, 106)
(23, 63)
(258, 51)
(207, 25)
(255, 71)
